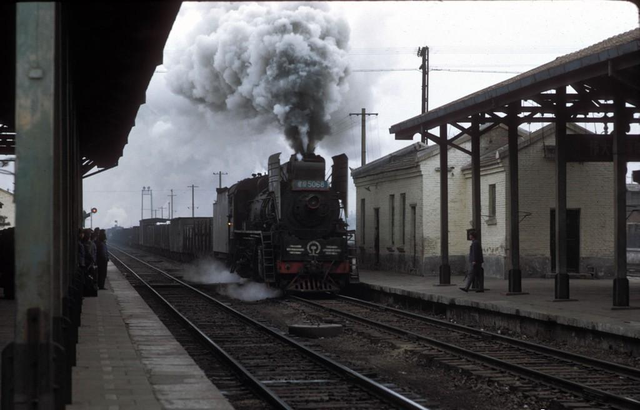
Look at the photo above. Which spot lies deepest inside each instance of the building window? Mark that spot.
(403, 205)
(414, 231)
(362, 220)
(492, 200)
(492, 205)
(392, 217)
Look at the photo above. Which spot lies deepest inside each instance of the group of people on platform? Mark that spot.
(93, 256)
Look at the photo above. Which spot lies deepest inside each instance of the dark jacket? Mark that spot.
(103, 252)
(81, 256)
(475, 252)
(89, 254)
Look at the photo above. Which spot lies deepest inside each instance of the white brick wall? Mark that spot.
(589, 188)
(459, 206)
(493, 231)
(375, 190)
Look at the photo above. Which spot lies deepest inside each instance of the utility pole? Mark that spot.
(146, 190)
(171, 207)
(364, 115)
(193, 209)
(162, 212)
(424, 53)
(220, 174)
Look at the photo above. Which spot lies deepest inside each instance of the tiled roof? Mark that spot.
(402, 159)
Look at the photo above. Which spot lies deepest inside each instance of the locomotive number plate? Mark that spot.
(307, 185)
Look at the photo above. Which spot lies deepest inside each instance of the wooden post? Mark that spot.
(37, 273)
(445, 269)
(515, 276)
(475, 191)
(562, 277)
(620, 129)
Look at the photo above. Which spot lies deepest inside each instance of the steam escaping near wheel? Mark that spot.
(287, 62)
(213, 272)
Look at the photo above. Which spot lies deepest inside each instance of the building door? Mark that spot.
(376, 240)
(573, 240)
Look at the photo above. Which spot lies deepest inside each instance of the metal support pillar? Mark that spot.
(620, 130)
(515, 276)
(445, 269)
(36, 268)
(478, 283)
(562, 277)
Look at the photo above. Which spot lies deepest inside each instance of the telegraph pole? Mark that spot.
(220, 174)
(146, 190)
(364, 115)
(424, 53)
(162, 212)
(171, 207)
(193, 209)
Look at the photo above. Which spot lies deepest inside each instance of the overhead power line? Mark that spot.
(457, 70)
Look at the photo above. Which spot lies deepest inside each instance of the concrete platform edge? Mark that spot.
(170, 369)
(506, 310)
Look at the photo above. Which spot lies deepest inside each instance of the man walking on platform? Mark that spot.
(475, 260)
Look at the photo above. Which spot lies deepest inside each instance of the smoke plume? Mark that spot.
(286, 62)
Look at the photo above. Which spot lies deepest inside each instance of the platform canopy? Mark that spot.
(113, 51)
(590, 73)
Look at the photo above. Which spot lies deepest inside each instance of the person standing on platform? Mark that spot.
(103, 258)
(475, 260)
(90, 255)
(81, 256)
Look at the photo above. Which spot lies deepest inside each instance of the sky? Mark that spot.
(193, 125)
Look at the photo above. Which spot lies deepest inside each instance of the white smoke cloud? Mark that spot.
(210, 271)
(285, 62)
(250, 291)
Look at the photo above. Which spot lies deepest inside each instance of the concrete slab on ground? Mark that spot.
(592, 308)
(128, 359)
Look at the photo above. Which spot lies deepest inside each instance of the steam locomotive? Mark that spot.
(286, 228)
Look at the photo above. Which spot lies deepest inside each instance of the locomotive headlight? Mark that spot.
(313, 202)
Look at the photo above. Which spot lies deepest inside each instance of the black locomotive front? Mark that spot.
(286, 227)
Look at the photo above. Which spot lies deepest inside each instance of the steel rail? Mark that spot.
(261, 388)
(366, 383)
(553, 381)
(589, 361)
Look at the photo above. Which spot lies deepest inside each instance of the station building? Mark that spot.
(398, 201)
(7, 209)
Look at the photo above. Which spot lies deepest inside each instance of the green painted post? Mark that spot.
(36, 236)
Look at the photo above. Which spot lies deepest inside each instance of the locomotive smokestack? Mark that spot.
(287, 62)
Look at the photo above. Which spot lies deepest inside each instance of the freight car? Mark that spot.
(287, 228)
(182, 239)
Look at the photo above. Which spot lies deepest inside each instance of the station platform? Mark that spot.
(127, 358)
(591, 308)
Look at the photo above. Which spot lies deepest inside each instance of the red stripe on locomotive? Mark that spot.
(285, 267)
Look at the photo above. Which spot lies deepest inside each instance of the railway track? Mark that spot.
(526, 366)
(285, 373)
